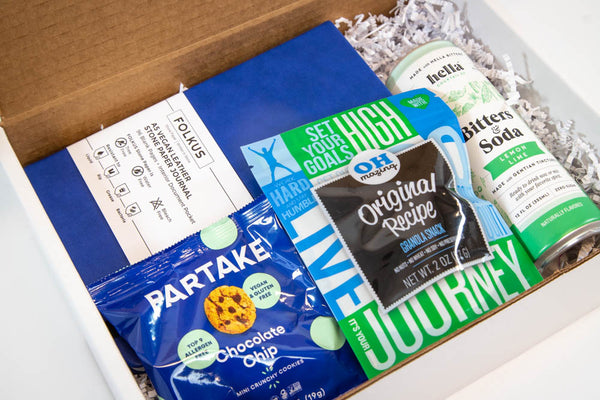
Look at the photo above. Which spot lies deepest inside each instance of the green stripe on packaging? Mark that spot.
(330, 143)
(551, 227)
(512, 157)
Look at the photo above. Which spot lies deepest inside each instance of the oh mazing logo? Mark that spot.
(374, 166)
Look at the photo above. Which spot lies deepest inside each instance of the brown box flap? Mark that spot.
(70, 67)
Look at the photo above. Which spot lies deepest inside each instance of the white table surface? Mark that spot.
(43, 352)
(564, 366)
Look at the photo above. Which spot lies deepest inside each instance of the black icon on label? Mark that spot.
(111, 171)
(121, 142)
(121, 190)
(132, 209)
(156, 203)
(138, 170)
(100, 152)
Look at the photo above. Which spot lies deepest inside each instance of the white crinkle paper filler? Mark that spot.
(383, 41)
(146, 386)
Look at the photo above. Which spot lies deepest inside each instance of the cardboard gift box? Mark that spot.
(69, 68)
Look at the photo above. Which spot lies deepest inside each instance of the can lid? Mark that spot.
(412, 57)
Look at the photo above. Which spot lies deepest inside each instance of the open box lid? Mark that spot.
(68, 68)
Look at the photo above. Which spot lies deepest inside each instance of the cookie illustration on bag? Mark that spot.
(230, 310)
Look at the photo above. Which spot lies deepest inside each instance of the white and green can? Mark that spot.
(546, 209)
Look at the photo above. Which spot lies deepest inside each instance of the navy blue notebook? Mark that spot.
(305, 79)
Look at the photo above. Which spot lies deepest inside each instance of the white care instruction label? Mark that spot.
(158, 176)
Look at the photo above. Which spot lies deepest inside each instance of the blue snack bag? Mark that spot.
(230, 312)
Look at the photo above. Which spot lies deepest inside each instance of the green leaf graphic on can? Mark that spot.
(511, 157)
(456, 94)
(486, 94)
(465, 109)
(475, 85)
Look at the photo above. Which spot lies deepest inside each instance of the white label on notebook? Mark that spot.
(158, 176)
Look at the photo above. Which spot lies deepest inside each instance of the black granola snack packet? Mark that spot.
(402, 223)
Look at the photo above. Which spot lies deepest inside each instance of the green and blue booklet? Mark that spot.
(378, 202)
